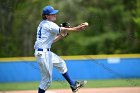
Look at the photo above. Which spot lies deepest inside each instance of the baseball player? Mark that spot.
(49, 32)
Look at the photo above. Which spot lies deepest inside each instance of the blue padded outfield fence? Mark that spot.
(87, 67)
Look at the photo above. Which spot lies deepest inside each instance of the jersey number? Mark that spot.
(39, 33)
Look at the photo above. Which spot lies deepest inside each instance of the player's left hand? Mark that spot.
(67, 25)
(64, 34)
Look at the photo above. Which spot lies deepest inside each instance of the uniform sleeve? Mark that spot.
(53, 28)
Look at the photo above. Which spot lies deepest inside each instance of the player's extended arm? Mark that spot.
(73, 29)
(65, 30)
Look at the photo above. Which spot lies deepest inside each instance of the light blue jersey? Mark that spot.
(46, 33)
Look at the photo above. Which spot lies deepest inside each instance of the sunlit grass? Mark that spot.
(64, 84)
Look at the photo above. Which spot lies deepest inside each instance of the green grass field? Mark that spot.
(63, 84)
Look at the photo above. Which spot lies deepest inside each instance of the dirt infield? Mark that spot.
(86, 90)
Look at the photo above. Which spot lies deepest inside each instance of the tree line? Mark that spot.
(114, 26)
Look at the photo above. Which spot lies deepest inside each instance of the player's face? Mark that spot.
(52, 17)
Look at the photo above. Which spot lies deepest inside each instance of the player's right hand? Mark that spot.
(82, 26)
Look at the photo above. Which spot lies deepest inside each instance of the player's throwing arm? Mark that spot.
(80, 27)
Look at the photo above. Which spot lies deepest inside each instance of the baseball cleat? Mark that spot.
(78, 85)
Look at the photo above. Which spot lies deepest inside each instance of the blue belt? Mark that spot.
(40, 49)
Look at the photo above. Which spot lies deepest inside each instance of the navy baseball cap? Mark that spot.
(49, 10)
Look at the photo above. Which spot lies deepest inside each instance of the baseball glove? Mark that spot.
(65, 24)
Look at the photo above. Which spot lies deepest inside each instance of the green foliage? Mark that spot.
(114, 26)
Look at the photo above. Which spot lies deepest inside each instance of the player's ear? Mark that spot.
(44, 16)
(47, 16)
